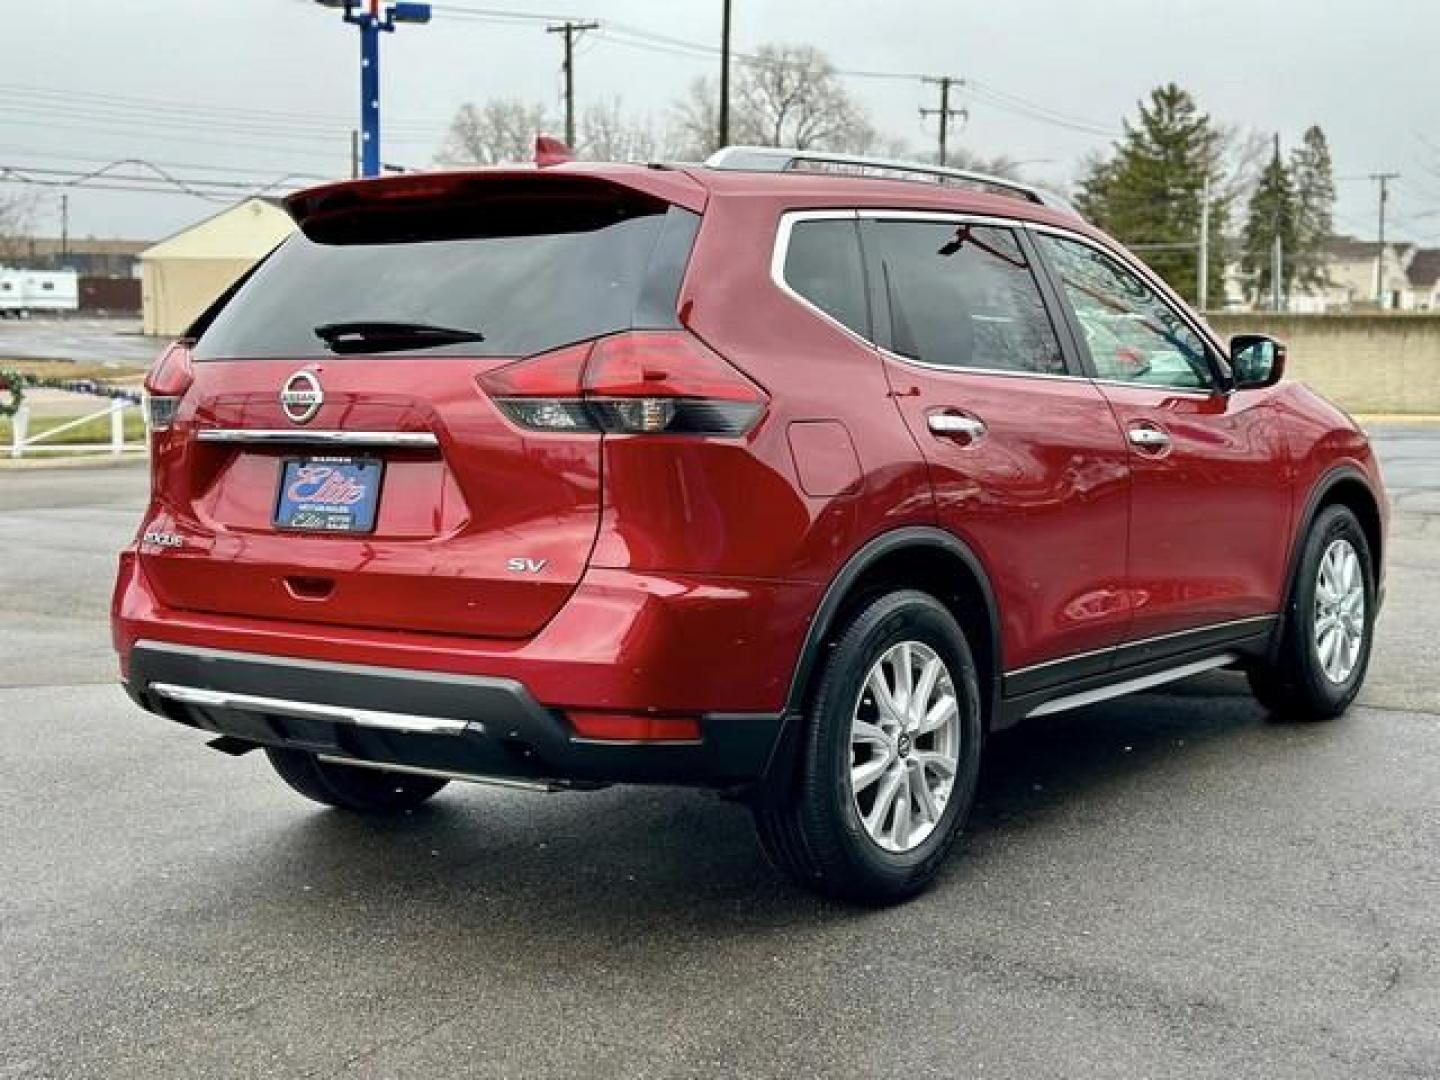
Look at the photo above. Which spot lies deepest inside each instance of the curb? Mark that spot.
(74, 461)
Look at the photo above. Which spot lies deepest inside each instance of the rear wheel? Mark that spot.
(351, 787)
(1326, 639)
(888, 760)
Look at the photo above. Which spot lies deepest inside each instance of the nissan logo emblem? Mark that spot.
(301, 397)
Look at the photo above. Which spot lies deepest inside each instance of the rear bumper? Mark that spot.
(624, 641)
(468, 725)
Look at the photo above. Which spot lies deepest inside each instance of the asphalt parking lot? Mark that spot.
(81, 338)
(1169, 885)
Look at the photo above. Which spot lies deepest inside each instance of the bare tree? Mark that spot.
(785, 95)
(15, 215)
(792, 97)
(1241, 155)
(960, 157)
(696, 121)
(608, 134)
(497, 133)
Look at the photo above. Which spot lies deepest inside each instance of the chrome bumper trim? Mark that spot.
(543, 786)
(318, 437)
(370, 718)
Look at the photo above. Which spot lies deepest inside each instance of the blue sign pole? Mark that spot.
(369, 95)
(371, 26)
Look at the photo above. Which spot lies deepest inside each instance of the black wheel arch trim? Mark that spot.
(871, 552)
(1342, 473)
(1323, 487)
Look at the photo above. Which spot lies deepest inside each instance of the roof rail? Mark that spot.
(781, 159)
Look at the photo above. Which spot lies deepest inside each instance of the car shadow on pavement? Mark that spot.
(493, 874)
(1044, 764)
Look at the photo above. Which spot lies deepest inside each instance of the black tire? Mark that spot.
(350, 787)
(809, 822)
(1295, 686)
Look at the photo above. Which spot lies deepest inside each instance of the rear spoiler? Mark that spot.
(315, 207)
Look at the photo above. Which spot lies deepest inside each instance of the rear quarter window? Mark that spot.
(823, 265)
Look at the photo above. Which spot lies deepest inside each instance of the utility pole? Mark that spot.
(1202, 272)
(723, 136)
(354, 153)
(64, 228)
(945, 112)
(371, 25)
(1277, 249)
(1277, 268)
(1383, 179)
(571, 30)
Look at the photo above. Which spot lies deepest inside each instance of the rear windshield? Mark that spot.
(528, 277)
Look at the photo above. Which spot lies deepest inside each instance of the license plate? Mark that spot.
(329, 494)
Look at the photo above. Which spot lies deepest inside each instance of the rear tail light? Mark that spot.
(639, 383)
(165, 386)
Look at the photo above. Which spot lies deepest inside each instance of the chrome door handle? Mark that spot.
(1149, 438)
(951, 424)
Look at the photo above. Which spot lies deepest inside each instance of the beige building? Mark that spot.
(1408, 278)
(182, 274)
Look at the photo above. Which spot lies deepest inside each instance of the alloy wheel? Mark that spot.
(1339, 619)
(904, 746)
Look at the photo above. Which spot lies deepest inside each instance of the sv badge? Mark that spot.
(526, 566)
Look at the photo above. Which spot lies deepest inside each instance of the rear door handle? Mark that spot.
(954, 424)
(1148, 438)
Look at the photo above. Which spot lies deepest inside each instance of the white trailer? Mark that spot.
(23, 292)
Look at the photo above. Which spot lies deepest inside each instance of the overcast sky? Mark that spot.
(251, 90)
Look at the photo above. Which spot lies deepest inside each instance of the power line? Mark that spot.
(463, 11)
(1001, 99)
(621, 33)
(209, 116)
(233, 170)
(258, 130)
(155, 179)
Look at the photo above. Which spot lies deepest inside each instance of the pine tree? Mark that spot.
(1148, 192)
(1314, 183)
(1271, 213)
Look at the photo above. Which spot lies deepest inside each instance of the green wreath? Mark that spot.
(12, 392)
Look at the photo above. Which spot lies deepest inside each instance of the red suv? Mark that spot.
(789, 475)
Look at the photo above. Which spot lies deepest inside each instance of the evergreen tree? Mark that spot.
(1148, 191)
(1271, 214)
(1314, 183)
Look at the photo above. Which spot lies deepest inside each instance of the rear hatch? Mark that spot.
(333, 456)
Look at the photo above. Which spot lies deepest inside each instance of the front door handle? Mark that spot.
(955, 424)
(1148, 438)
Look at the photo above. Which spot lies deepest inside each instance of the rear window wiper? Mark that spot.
(355, 337)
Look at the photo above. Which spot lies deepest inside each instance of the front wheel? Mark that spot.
(1328, 630)
(352, 787)
(888, 759)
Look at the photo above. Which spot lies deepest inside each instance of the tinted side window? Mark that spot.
(1132, 334)
(964, 296)
(822, 264)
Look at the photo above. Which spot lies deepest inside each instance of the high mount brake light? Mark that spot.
(166, 384)
(637, 383)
